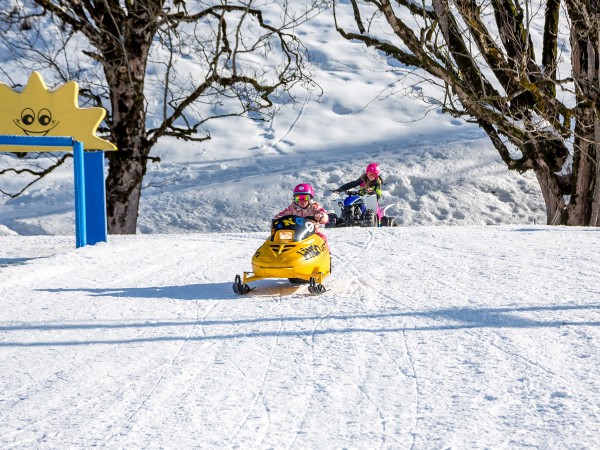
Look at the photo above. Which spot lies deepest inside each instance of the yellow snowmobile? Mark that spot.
(293, 251)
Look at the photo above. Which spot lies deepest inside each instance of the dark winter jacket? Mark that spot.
(366, 186)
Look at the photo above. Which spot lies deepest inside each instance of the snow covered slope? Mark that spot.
(428, 337)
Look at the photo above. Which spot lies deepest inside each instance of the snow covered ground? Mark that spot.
(428, 337)
(470, 325)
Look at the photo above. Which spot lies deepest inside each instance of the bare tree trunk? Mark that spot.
(127, 166)
(553, 199)
(125, 70)
(595, 207)
(123, 199)
(584, 205)
(585, 197)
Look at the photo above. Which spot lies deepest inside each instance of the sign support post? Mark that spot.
(90, 191)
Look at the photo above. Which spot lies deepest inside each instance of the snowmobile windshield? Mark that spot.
(292, 229)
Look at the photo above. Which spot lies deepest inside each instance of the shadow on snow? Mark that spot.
(459, 318)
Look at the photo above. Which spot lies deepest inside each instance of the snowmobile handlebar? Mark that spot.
(353, 192)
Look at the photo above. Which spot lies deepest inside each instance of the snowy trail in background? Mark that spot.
(467, 337)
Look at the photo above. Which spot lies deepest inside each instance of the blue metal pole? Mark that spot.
(41, 141)
(94, 208)
(80, 212)
(95, 198)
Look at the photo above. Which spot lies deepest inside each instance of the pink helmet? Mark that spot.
(304, 188)
(373, 168)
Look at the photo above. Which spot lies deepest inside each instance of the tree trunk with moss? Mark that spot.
(584, 205)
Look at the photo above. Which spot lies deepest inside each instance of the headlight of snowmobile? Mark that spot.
(284, 236)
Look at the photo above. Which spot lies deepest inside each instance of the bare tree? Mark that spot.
(240, 62)
(499, 73)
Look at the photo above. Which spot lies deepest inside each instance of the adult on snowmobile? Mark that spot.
(370, 182)
(303, 205)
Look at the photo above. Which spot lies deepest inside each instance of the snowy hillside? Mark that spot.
(437, 170)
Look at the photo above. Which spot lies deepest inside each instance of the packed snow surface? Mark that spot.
(427, 337)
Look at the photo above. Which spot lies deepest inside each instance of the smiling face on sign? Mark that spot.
(36, 124)
(37, 111)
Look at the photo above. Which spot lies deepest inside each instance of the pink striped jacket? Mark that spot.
(314, 208)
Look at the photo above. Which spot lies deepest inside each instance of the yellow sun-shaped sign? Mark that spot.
(37, 111)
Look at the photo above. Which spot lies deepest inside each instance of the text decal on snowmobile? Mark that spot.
(309, 225)
(312, 250)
